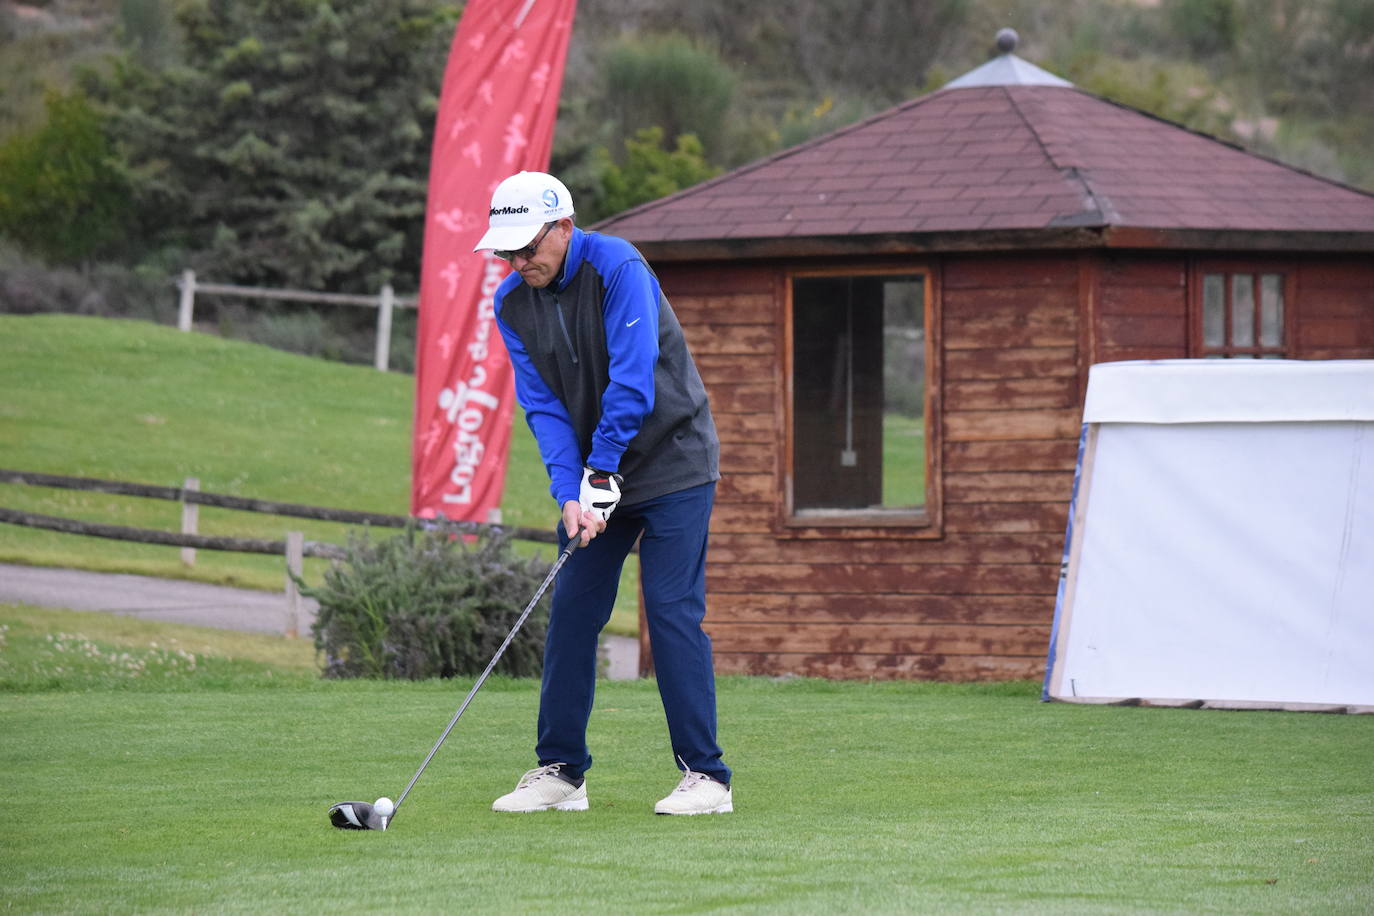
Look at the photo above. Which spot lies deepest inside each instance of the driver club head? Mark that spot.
(356, 816)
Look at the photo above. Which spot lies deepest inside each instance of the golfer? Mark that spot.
(625, 431)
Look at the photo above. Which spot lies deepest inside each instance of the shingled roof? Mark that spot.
(1028, 154)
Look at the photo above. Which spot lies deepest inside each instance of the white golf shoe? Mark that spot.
(697, 793)
(542, 789)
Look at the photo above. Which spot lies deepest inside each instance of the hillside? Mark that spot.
(1288, 78)
(128, 400)
(109, 192)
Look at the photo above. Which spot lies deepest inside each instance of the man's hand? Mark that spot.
(600, 492)
(579, 523)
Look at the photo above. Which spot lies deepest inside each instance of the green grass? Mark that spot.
(205, 791)
(45, 649)
(128, 400)
(904, 460)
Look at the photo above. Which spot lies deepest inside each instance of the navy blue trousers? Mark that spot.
(672, 564)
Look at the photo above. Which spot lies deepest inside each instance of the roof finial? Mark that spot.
(1006, 69)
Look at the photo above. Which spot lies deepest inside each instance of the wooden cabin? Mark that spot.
(895, 323)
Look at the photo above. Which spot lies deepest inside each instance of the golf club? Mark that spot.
(365, 816)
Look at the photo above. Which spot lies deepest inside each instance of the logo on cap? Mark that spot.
(551, 198)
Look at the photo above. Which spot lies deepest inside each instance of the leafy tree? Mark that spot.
(37, 56)
(1311, 66)
(1208, 27)
(671, 82)
(62, 194)
(290, 146)
(1311, 57)
(1178, 92)
(791, 50)
(651, 172)
(881, 48)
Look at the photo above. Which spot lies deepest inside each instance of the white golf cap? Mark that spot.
(522, 203)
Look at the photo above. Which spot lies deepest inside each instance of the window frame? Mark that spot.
(924, 522)
(1229, 268)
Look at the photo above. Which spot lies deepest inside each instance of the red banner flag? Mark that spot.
(497, 110)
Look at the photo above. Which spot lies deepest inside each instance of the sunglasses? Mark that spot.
(528, 251)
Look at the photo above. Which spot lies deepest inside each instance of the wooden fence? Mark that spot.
(293, 549)
(385, 302)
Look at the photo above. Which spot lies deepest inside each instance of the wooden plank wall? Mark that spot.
(1012, 414)
(1141, 306)
(974, 602)
(1335, 319)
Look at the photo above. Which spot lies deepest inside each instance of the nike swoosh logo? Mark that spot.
(630, 324)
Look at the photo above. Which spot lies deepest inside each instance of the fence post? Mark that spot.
(188, 300)
(295, 552)
(190, 517)
(386, 302)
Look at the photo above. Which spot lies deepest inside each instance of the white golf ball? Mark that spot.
(384, 806)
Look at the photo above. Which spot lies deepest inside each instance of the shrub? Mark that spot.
(29, 286)
(425, 604)
(651, 172)
(63, 196)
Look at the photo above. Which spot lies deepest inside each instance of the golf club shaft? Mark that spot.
(543, 587)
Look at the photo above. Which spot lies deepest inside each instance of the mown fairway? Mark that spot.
(155, 768)
(205, 789)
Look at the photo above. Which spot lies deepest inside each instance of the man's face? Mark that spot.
(541, 268)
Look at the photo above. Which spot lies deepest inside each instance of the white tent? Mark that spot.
(1220, 549)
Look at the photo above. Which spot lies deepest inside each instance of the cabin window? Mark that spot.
(857, 433)
(1243, 314)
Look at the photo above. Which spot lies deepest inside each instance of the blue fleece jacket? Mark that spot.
(604, 375)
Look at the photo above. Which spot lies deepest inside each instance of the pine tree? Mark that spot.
(290, 145)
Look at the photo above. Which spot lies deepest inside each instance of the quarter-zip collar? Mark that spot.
(576, 245)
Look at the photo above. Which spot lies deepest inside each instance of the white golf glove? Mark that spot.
(600, 492)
